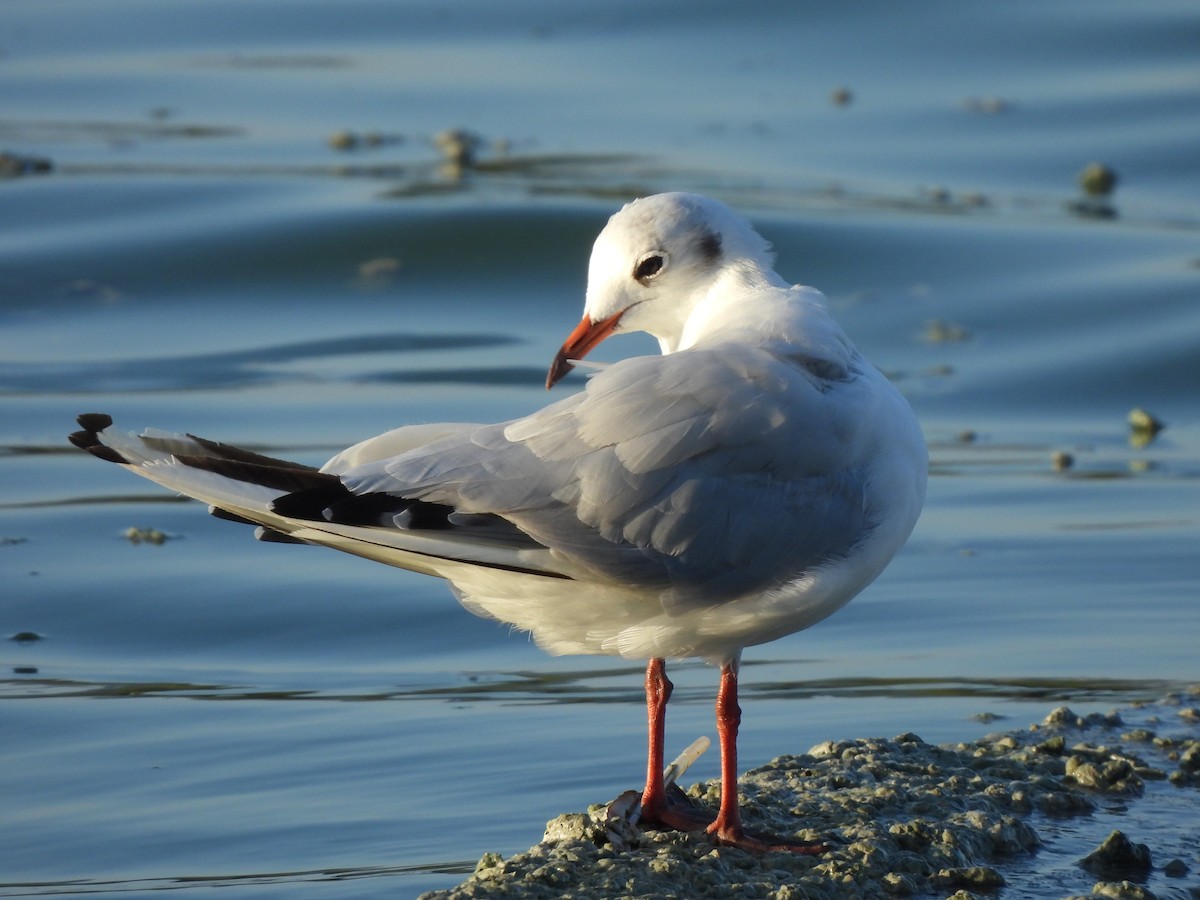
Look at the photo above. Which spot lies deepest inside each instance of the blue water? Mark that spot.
(282, 721)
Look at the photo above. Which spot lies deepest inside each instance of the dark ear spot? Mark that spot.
(710, 246)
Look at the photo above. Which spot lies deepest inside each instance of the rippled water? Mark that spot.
(279, 721)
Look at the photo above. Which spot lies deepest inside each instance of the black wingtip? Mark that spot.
(274, 476)
(310, 504)
(89, 438)
(94, 422)
(108, 454)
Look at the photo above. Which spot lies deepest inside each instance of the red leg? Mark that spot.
(728, 824)
(727, 828)
(660, 807)
(658, 692)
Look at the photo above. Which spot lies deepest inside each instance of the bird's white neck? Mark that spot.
(715, 307)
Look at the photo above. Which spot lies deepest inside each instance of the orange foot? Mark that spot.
(677, 812)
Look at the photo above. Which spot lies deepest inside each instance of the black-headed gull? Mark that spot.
(742, 486)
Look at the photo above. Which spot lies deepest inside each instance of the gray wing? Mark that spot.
(704, 474)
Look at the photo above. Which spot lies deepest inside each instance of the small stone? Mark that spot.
(25, 637)
(1176, 868)
(1115, 775)
(1189, 759)
(1052, 746)
(1062, 716)
(986, 717)
(841, 96)
(1118, 856)
(970, 876)
(1122, 890)
(489, 861)
(898, 885)
(1139, 735)
(568, 827)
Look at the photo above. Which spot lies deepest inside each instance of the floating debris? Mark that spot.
(939, 195)
(1061, 460)
(679, 765)
(1143, 427)
(940, 331)
(14, 166)
(460, 148)
(1097, 180)
(1140, 420)
(986, 106)
(88, 289)
(343, 140)
(378, 272)
(137, 535)
(349, 140)
(841, 96)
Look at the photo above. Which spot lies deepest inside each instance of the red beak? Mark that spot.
(583, 339)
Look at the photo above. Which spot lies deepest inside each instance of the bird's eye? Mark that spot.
(649, 266)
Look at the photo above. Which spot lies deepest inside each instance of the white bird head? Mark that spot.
(655, 260)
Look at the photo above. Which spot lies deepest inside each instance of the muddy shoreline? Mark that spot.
(907, 818)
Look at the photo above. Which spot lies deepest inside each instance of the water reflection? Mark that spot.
(584, 686)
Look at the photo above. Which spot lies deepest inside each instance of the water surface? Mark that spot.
(281, 721)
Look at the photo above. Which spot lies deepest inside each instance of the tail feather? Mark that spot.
(293, 503)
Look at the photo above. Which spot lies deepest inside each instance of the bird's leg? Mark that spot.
(728, 824)
(671, 809)
(727, 827)
(658, 807)
(658, 692)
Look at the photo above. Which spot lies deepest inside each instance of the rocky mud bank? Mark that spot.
(990, 817)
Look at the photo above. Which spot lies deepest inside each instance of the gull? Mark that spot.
(741, 486)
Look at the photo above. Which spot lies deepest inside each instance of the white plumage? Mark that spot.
(742, 486)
